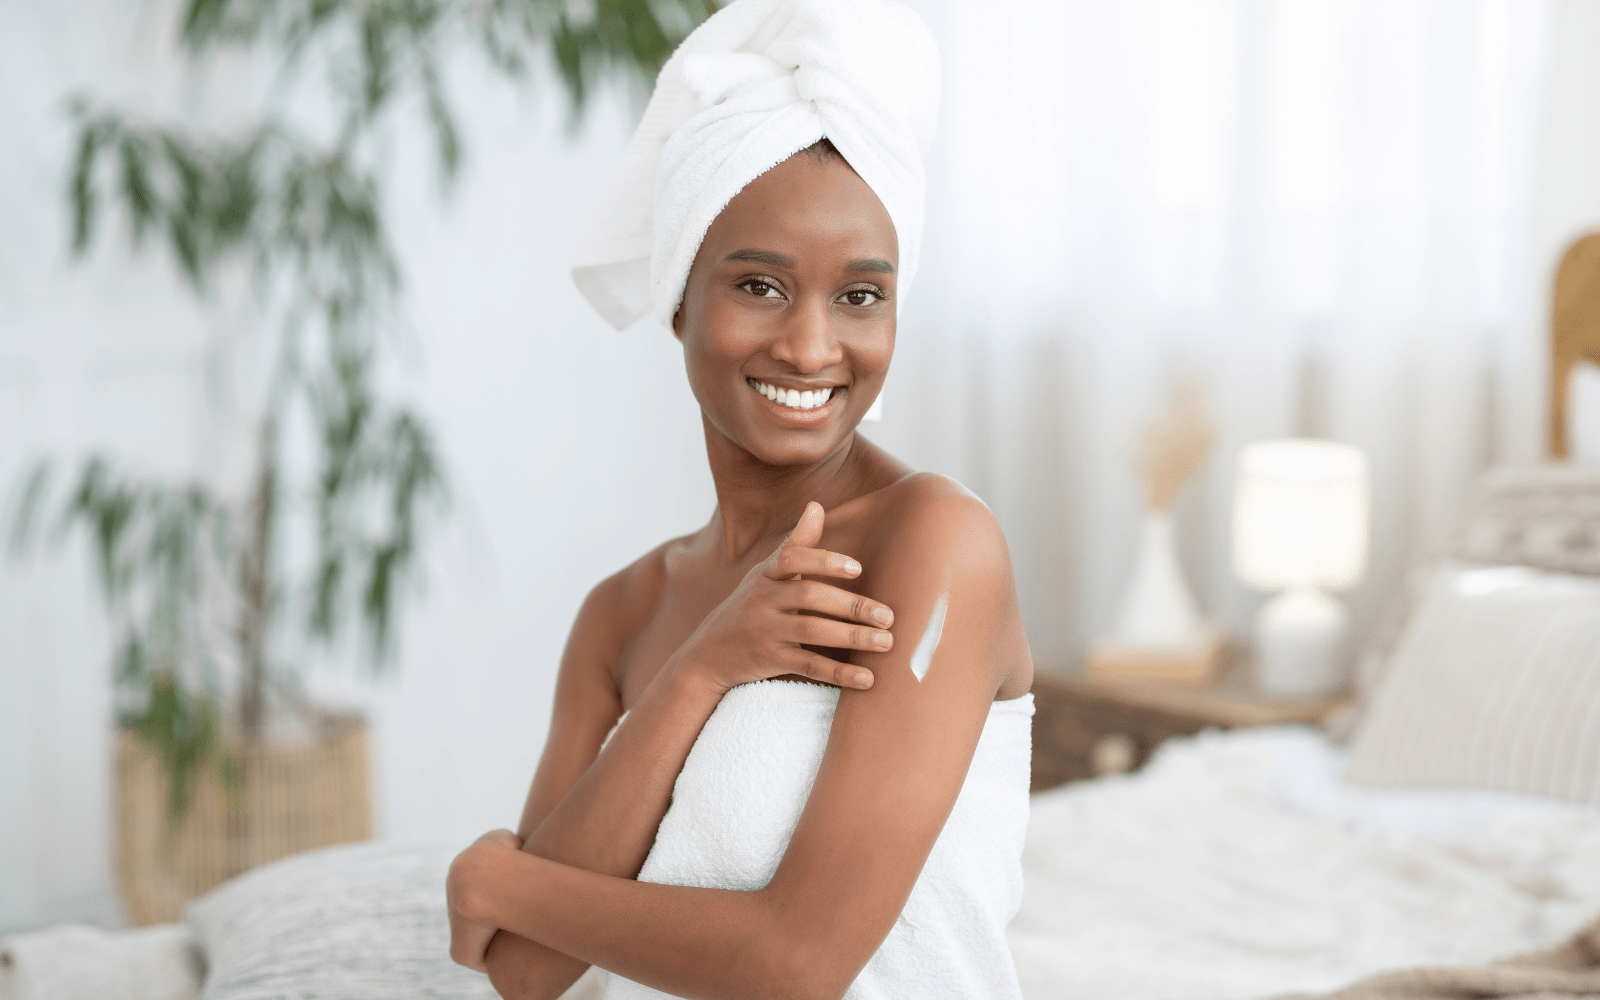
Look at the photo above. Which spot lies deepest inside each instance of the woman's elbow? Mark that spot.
(815, 966)
(812, 980)
(521, 970)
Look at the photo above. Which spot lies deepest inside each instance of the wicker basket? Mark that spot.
(296, 795)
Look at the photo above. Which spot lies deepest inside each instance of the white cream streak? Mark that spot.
(922, 658)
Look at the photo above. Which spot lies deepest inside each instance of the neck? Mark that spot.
(758, 503)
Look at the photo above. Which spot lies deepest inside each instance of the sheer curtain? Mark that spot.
(1319, 208)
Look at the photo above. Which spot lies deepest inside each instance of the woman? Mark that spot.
(818, 784)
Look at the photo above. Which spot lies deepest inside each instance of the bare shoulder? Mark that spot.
(928, 515)
(929, 543)
(623, 603)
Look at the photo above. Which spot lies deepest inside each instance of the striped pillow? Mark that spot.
(1495, 684)
(355, 922)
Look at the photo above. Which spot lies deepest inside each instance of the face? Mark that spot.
(791, 300)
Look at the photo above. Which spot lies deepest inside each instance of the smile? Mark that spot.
(792, 399)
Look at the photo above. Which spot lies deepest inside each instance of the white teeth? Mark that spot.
(794, 399)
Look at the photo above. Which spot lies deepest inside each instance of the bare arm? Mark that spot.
(601, 815)
(896, 759)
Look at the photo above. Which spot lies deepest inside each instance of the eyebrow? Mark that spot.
(755, 256)
(872, 265)
(875, 265)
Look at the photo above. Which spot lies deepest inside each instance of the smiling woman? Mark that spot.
(789, 751)
(815, 322)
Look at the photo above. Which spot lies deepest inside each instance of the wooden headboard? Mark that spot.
(1574, 328)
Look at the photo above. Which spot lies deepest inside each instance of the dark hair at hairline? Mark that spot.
(824, 150)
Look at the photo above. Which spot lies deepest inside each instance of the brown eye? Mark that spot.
(761, 289)
(861, 297)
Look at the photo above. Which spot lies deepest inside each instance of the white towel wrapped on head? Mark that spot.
(759, 81)
(742, 790)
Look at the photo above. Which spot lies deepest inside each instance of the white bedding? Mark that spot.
(1237, 865)
(1234, 866)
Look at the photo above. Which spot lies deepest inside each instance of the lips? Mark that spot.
(793, 399)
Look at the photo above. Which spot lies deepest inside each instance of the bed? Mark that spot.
(1459, 826)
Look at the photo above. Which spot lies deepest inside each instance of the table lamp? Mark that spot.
(1300, 527)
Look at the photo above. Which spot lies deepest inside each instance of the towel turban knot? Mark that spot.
(756, 83)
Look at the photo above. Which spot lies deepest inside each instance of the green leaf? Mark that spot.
(28, 510)
(444, 125)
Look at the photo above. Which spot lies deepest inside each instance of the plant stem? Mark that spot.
(254, 586)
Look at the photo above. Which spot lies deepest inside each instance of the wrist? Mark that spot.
(686, 679)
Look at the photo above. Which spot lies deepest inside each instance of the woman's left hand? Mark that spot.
(469, 939)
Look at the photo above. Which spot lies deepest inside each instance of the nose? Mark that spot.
(806, 340)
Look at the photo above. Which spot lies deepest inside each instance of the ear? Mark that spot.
(677, 323)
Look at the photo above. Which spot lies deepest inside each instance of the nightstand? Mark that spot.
(1088, 727)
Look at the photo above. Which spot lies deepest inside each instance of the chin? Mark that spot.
(788, 450)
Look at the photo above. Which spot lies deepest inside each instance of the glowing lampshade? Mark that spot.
(1300, 515)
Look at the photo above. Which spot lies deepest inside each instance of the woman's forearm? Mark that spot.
(607, 822)
(686, 941)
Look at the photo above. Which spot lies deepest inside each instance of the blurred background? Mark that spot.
(1326, 218)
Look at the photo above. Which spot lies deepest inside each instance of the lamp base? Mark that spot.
(1299, 642)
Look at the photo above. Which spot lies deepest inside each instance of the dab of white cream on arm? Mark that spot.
(922, 657)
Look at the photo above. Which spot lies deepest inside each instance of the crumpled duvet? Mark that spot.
(1237, 866)
(1569, 972)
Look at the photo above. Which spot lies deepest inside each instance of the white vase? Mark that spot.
(1158, 612)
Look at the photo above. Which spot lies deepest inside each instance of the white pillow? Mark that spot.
(1495, 684)
(1583, 412)
(355, 922)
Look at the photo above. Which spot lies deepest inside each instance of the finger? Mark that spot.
(809, 630)
(789, 562)
(808, 530)
(826, 599)
(820, 668)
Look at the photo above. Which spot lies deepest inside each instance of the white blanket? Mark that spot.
(1235, 866)
(1238, 866)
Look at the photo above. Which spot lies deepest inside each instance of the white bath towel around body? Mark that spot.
(741, 792)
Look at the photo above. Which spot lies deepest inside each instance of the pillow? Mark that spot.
(1545, 516)
(354, 922)
(1495, 684)
(75, 960)
(1583, 412)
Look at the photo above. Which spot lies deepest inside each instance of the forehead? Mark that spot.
(806, 204)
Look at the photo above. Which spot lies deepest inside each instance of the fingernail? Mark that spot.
(882, 640)
(852, 567)
(883, 616)
(863, 678)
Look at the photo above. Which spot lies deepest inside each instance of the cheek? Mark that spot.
(713, 350)
(874, 352)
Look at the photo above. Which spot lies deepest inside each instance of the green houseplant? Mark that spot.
(194, 578)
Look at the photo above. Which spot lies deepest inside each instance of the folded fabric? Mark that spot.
(759, 81)
(1570, 972)
(79, 962)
